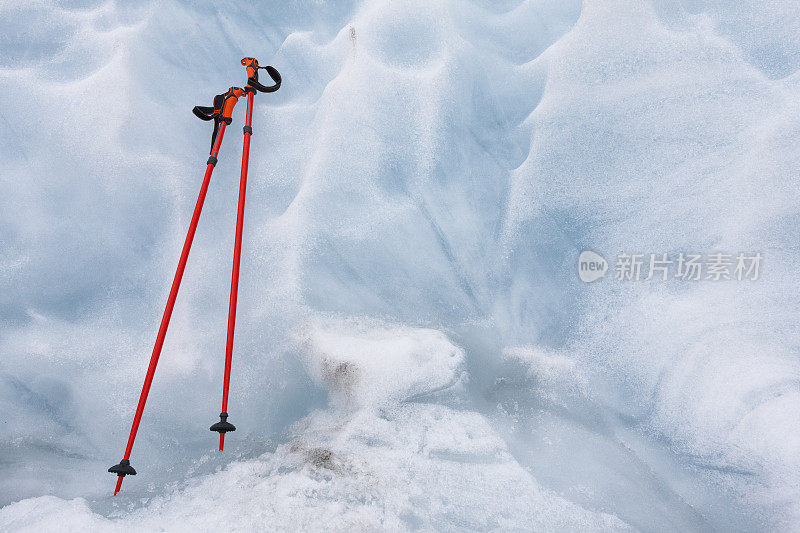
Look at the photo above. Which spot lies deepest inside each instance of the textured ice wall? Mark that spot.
(435, 166)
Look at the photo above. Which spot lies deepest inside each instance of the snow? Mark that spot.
(376, 460)
(366, 364)
(414, 466)
(414, 349)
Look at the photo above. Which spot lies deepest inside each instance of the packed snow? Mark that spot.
(414, 348)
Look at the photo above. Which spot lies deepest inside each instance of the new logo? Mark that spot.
(591, 266)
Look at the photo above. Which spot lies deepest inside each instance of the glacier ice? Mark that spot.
(414, 348)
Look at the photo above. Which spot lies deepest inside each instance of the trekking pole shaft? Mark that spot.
(173, 294)
(237, 253)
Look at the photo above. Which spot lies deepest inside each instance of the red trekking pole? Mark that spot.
(220, 113)
(251, 64)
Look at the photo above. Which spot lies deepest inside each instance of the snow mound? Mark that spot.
(367, 363)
